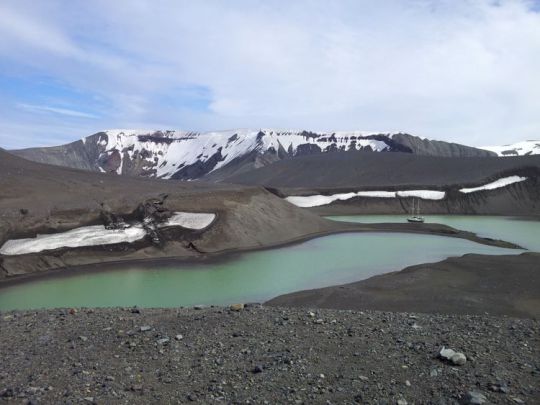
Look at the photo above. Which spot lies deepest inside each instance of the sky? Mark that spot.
(464, 71)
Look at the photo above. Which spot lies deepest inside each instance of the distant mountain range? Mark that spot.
(516, 149)
(223, 154)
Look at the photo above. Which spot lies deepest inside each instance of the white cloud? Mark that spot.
(56, 110)
(463, 71)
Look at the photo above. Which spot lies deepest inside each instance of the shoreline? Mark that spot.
(228, 254)
(471, 284)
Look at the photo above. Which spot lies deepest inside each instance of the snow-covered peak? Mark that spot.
(516, 149)
(167, 152)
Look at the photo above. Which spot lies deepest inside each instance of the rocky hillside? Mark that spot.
(192, 155)
(367, 170)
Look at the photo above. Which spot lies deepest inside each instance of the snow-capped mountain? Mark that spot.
(516, 149)
(171, 154)
(192, 155)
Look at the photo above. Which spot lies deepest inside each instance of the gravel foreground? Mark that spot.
(261, 354)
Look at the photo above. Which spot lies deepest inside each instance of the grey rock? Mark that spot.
(474, 398)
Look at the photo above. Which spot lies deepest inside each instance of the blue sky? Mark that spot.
(457, 70)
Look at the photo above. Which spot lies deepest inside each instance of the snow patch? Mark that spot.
(495, 184)
(424, 194)
(319, 199)
(190, 220)
(516, 149)
(84, 236)
(379, 194)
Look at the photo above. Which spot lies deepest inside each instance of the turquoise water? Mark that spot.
(524, 232)
(259, 276)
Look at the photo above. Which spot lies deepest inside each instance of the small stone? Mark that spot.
(199, 307)
(237, 307)
(72, 311)
(416, 326)
(145, 328)
(83, 338)
(363, 378)
(109, 378)
(311, 314)
(7, 393)
(407, 383)
(162, 341)
(499, 388)
(458, 359)
(475, 398)
(401, 402)
(179, 337)
(135, 310)
(257, 369)
(136, 387)
(446, 354)
(89, 399)
(517, 400)
(318, 321)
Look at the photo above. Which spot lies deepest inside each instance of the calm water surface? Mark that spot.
(524, 232)
(258, 276)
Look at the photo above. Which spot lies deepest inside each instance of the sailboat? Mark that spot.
(415, 217)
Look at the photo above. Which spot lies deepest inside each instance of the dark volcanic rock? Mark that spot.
(352, 357)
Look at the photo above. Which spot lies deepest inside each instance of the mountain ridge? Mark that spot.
(190, 155)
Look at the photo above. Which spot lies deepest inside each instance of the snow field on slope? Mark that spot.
(98, 235)
(84, 236)
(318, 200)
(505, 181)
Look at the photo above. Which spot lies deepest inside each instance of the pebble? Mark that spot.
(237, 307)
(179, 337)
(162, 341)
(456, 358)
(145, 328)
(401, 402)
(475, 398)
(499, 387)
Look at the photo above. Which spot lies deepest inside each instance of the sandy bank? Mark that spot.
(470, 284)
